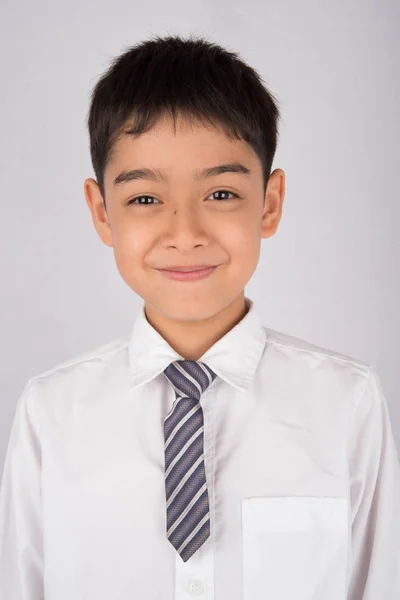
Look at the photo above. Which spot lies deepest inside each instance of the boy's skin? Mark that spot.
(184, 225)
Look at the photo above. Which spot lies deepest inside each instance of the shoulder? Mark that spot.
(320, 370)
(84, 375)
(320, 374)
(99, 355)
(53, 396)
(299, 348)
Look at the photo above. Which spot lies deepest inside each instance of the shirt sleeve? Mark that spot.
(375, 498)
(21, 547)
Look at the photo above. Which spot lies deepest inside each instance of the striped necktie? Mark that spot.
(188, 516)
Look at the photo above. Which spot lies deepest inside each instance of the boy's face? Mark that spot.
(183, 220)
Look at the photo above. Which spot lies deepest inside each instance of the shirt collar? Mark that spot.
(234, 357)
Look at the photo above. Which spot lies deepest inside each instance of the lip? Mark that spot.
(199, 273)
(189, 268)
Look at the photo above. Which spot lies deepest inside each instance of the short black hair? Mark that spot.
(194, 77)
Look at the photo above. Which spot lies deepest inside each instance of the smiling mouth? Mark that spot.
(187, 275)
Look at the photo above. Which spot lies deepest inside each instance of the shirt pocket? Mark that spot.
(294, 547)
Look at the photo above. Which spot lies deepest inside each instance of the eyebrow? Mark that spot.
(159, 175)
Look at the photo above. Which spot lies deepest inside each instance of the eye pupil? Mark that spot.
(224, 192)
(138, 199)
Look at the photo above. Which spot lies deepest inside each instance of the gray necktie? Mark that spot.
(188, 516)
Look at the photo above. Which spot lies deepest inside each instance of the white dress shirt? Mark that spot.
(302, 471)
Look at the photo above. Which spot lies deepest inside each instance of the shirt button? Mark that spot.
(195, 587)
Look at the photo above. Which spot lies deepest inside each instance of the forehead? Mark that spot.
(180, 148)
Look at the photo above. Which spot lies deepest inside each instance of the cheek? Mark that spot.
(129, 245)
(241, 238)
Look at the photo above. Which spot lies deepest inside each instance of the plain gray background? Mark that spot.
(330, 274)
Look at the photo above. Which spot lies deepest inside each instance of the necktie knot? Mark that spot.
(190, 378)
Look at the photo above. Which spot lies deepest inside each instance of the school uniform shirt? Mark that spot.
(302, 472)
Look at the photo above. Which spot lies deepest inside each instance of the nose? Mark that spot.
(185, 229)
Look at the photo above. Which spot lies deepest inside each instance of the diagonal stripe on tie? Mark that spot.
(187, 502)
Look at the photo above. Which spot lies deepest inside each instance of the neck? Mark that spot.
(191, 339)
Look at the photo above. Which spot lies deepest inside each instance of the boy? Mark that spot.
(204, 455)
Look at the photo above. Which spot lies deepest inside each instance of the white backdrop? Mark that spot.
(330, 274)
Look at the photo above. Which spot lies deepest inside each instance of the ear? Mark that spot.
(274, 197)
(96, 206)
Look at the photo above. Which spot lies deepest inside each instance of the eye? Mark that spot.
(147, 199)
(225, 192)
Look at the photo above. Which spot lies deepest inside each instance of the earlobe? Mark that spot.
(97, 209)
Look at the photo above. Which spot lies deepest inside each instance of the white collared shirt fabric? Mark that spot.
(302, 473)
